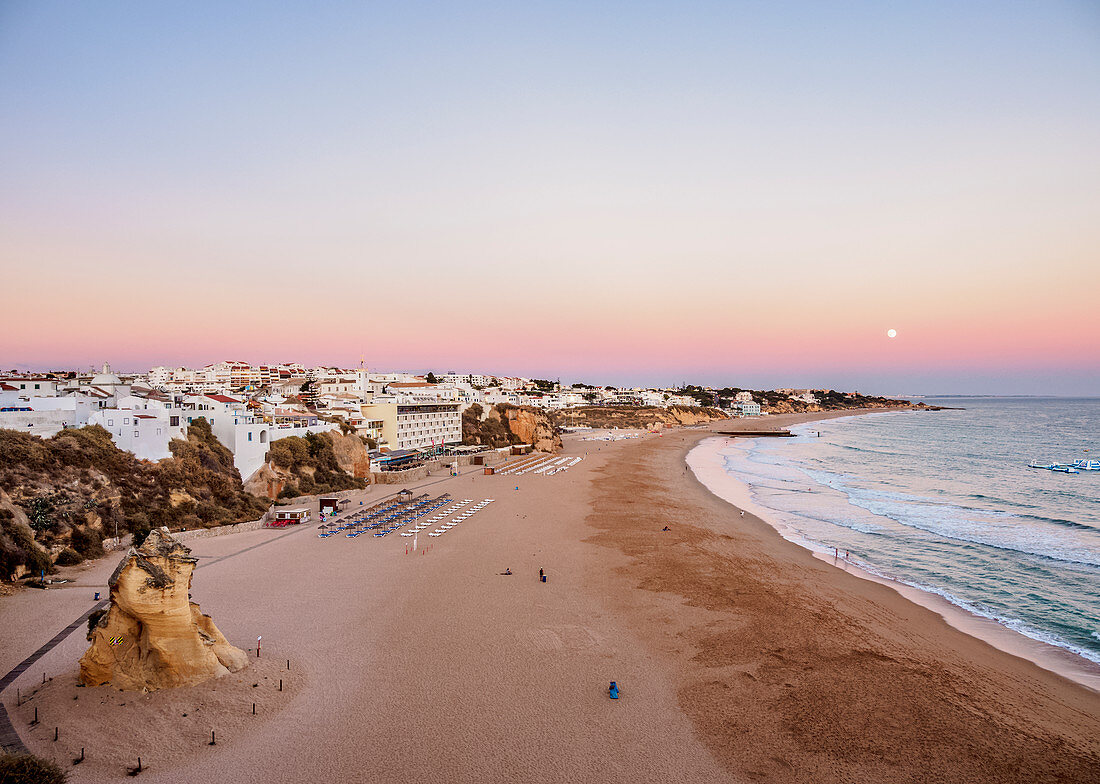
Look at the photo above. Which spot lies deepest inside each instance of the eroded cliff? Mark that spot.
(503, 425)
(640, 417)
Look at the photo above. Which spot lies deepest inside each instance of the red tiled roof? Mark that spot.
(223, 398)
(8, 388)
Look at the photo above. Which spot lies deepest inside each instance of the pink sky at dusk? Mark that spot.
(599, 194)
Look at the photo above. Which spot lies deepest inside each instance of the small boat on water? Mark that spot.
(1087, 465)
(1059, 467)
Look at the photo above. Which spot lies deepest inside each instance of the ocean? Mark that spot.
(944, 502)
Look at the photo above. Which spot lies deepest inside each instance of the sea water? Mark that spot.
(944, 501)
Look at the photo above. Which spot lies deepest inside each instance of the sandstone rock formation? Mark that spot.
(153, 636)
(351, 454)
(319, 463)
(643, 417)
(267, 482)
(504, 424)
(530, 426)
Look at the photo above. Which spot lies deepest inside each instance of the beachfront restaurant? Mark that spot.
(285, 517)
(398, 459)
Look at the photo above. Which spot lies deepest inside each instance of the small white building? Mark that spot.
(144, 432)
(31, 386)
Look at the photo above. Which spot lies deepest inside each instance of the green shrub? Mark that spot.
(86, 542)
(290, 490)
(29, 769)
(35, 558)
(139, 526)
(68, 557)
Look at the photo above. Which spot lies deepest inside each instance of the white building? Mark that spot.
(246, 434)
(144, 432)
(32, 386)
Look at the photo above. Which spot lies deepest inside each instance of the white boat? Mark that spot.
(1059, 467)
(1087, 465)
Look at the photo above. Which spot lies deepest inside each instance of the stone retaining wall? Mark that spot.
(221, 530)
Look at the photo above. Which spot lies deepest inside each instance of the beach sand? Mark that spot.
(740, 656)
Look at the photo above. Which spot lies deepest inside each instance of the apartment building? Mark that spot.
(409, 423)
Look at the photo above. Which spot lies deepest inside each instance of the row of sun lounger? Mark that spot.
(385, 518)
(540, 464)
(455, 514)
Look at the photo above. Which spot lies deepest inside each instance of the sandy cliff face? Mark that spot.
(644, 417)
(531, 426)
(692, 416)
(153, 636)
(329, 463)
(505, 424)
(267, 482)
(351, 454)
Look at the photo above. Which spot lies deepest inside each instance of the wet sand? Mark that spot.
(740, 656)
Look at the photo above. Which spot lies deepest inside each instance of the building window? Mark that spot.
(137, 434)
(110, 423)
(37, 386)
(126, 421)
(249, 436)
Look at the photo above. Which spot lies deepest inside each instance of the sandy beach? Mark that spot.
(740, 656)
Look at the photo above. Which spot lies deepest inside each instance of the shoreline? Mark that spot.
(793, 670)
(740, 657)
(706, 465)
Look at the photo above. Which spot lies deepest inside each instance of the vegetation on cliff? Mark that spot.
(636, 417)
(777, 402)
(309, 465)
(74, 489)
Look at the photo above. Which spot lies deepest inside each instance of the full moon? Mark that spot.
(891, 333)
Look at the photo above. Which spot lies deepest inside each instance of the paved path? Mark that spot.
(9, 738)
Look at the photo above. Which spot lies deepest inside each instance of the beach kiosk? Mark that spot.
(329, 504)
(285, 517)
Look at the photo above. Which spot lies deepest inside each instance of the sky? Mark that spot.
(648, 193)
